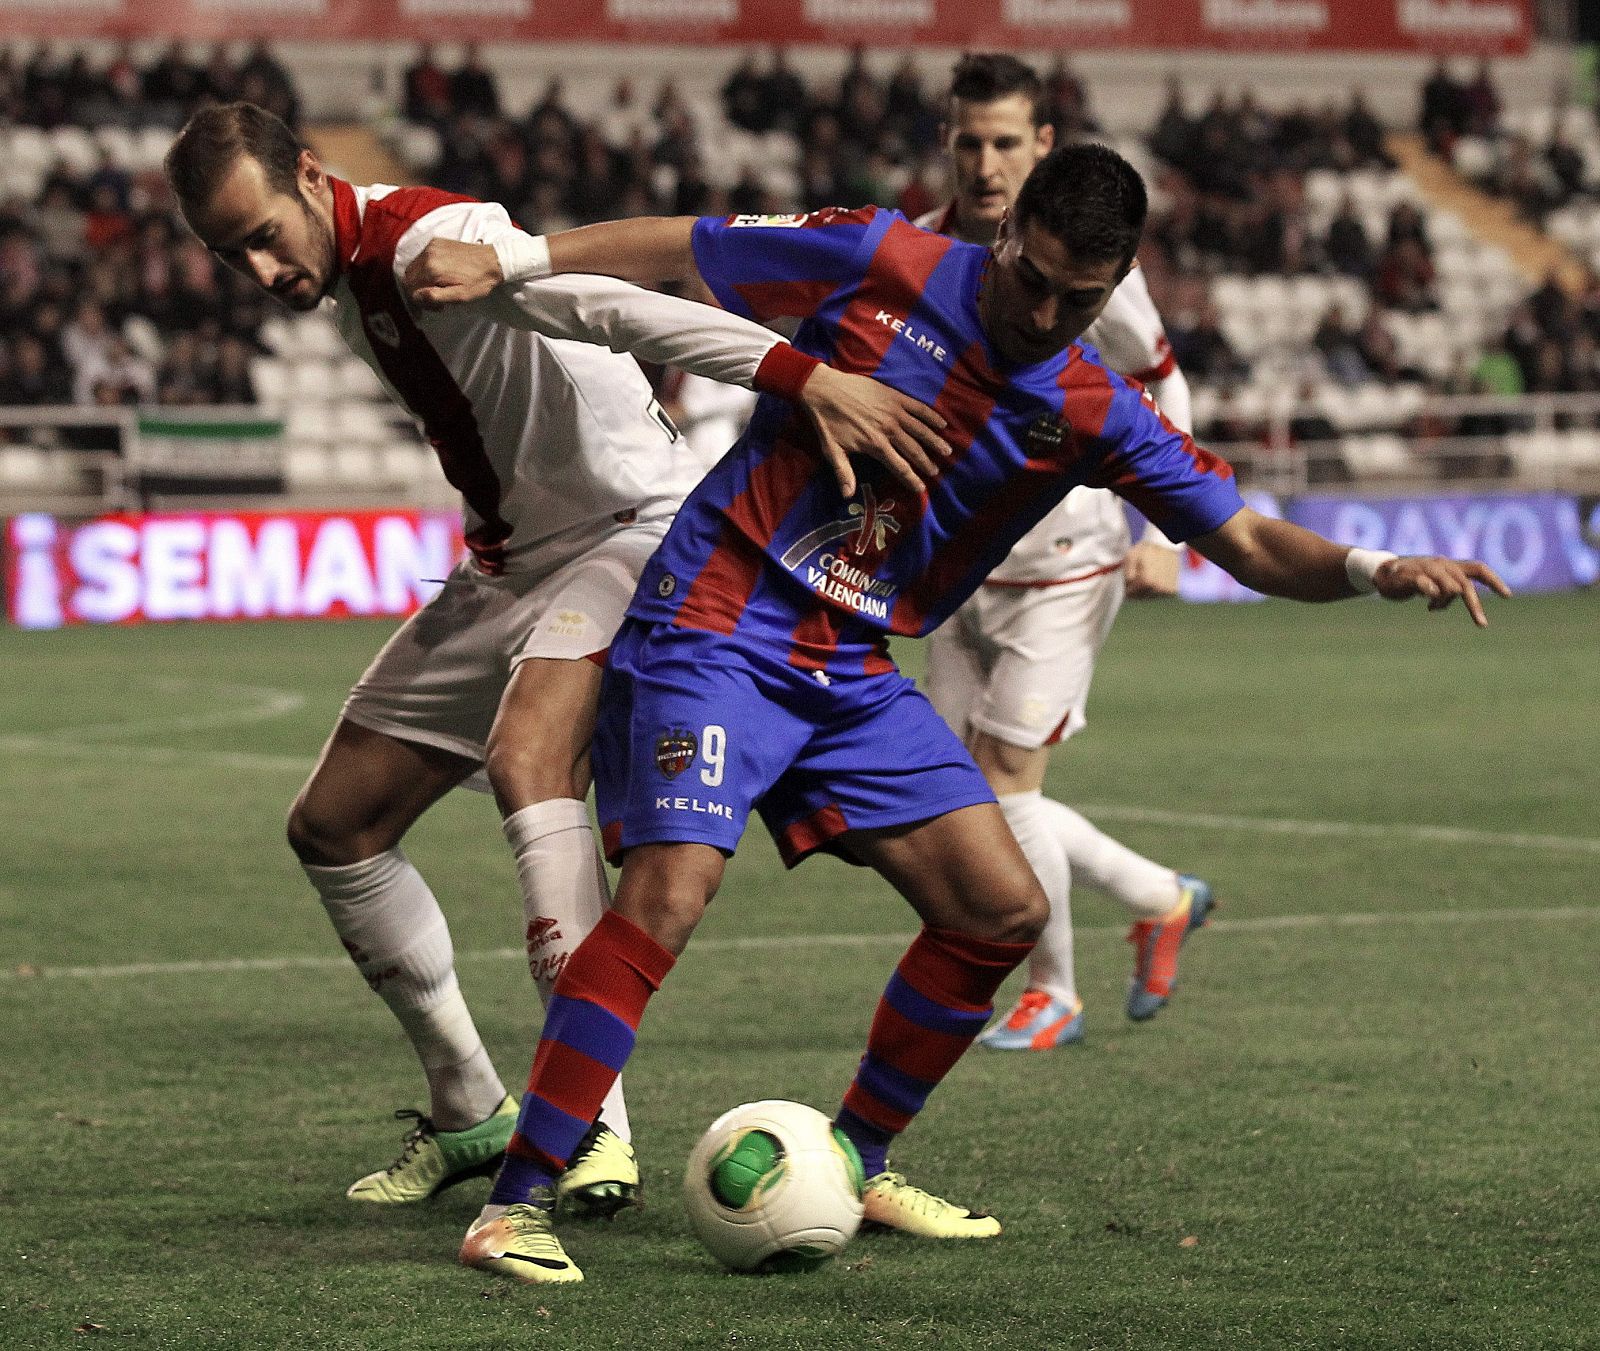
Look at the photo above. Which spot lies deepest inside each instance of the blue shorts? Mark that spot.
(697, 728)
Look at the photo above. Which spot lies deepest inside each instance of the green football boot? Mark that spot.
(432, 1159)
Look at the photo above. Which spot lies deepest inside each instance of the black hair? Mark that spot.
(1088, 197)
(983, 77)
(214, 139)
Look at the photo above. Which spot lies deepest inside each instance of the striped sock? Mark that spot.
(938, 1000)
(589, 1030)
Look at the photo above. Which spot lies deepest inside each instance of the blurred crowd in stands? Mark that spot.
(104, 298)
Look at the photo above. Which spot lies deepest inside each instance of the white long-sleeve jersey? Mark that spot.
(1087, 534)
(541, 429)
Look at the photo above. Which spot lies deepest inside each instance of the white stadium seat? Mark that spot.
(1376, 455)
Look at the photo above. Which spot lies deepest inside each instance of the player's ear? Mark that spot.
(1044, 138)
(309, 171)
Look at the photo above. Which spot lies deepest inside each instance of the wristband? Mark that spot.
(523, 257)
(783, 371)
(1361, 567)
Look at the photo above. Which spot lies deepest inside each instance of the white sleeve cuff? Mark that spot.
(523, 257)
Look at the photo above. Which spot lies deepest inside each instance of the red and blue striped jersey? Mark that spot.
(765, 546)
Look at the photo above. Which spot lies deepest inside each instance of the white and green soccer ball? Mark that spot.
(773, 1186)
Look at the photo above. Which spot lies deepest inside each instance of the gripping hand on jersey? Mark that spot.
(855, 415)
(1152, 571)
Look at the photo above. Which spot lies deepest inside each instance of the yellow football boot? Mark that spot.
(893, 1203)
(520, 1244)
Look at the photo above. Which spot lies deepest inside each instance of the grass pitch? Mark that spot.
(1367, 1119)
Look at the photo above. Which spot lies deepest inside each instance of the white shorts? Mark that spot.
(440, 679)
(1016, 662)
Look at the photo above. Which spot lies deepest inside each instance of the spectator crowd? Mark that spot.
(104, 298)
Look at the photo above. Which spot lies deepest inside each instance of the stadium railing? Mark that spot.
(129, 458)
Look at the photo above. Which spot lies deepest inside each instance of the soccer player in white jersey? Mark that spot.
(570, 474)
(1011, 669)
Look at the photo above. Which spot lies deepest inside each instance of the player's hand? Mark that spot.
(450, 272)
(1151, 571)
(1440, 580)
(856, 415)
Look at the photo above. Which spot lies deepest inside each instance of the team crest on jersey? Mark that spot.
(1045, 436)
(675, 750)
(791, 221)
(383, 327)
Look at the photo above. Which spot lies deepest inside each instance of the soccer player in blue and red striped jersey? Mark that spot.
(753, 672)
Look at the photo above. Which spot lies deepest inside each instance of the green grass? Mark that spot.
(1377, 1132)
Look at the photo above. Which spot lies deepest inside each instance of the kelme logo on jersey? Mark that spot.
(675, 750)
(383, 327)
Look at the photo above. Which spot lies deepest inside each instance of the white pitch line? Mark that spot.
(265, 704)
(1267, 825)
(788, 942)
(273, 703)
(1260, 825)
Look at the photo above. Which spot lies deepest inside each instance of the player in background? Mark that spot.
(753, 671)
(1011, 670)
(569, 474)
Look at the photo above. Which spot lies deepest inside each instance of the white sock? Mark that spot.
(394, 931)
(1050, 965)
(564, 893)
(1146, 888)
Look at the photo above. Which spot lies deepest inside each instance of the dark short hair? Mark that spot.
(213, 140)
(983, 77)
(1089, 198)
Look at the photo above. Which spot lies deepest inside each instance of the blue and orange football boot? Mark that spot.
(1037, 1023)
(1155, 946)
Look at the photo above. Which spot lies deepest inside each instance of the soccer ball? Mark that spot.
(773, 1186)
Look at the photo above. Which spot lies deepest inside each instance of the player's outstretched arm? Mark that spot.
(648, 250)
(1279, 558)
(852, 415)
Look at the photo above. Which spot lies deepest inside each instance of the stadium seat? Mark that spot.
(409, 466)
(76, 149)
(307, 424)
(1376, 455)
(313, 381)
(151, 147)
(355, 467)
(271, 379)
(119, 143)
(307, 466)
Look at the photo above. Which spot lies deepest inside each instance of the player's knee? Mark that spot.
(324, 838)
(665, 891)
(1018, 914)
(522, 773)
